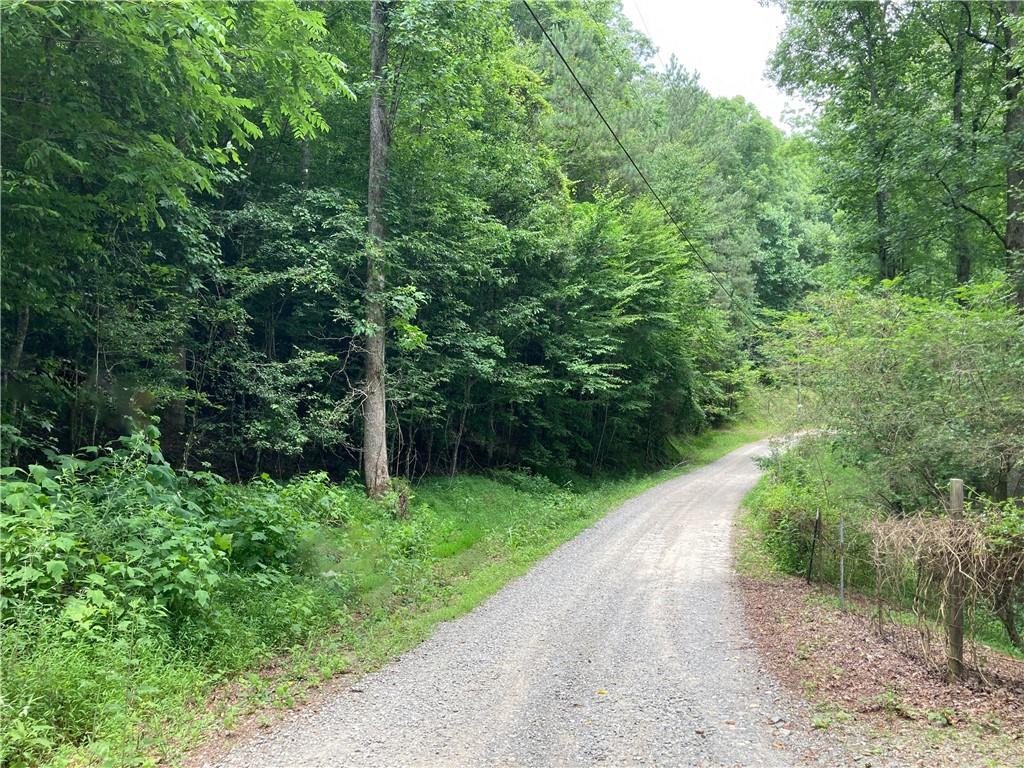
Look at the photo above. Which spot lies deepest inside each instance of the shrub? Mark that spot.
(915, 390)
(128, 589)
(97, 541)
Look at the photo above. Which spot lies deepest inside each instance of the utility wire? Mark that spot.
(643, 177)
(643, 23)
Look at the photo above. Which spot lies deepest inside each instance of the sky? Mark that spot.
(727, 41)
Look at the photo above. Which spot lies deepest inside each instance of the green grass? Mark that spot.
(355, 588)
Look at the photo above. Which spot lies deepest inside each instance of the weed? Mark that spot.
(890, 702)
(941, 718)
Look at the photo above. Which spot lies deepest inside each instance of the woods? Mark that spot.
(920, 132)
(907, 353)
(197, 266)
(313, 313)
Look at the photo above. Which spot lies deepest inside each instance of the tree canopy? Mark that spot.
(185, 200)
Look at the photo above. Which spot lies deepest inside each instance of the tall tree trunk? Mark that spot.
(462, 426)
(174, 418)
(18, 348)
(886, 263)
(1013, 131)
(961, 248)
(7, 371)
(375, 447)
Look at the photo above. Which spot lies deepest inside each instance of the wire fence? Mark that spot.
(934, 579)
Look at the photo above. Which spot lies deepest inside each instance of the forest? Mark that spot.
(312, 311)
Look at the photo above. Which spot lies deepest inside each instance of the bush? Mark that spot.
(117, 571)
(783, 513)
(129, 589)
(915, 390)
(906, 556)
(97, 542)
(912, 392)
(808, 479)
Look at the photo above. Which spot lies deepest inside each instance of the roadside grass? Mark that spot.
(359, 587)
(498, 535)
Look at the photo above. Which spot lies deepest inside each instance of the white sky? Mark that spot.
(726, 41)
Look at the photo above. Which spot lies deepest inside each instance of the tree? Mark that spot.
(117, 120)
(375, 446)
(916, 129)
(917, 389)
(1014, 130)
(474, 241)
(844, 57)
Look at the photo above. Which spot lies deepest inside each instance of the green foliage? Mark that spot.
(811, 477)
(918, 390)
(116, 118)
(911, 392)
(913, 133)
(806, 480)
(296, 569)
(541, 311)
(783, 511)
(195, 80)
(94, 541)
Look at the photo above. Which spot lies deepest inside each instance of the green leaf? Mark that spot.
(57, 569)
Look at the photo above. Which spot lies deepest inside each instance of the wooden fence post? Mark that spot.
(955, 587)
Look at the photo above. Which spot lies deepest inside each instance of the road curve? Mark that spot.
(625, 646)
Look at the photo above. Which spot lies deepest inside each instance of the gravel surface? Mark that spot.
(626, 646)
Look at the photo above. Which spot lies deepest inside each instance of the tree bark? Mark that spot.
(18, 348)
(886, 263)
(375, 447)
(462, 427)
(961, 248)
(174, 419)
(1013, 132)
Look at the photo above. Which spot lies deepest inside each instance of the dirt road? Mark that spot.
(626, 646)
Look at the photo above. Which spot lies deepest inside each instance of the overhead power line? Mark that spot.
(640, 173)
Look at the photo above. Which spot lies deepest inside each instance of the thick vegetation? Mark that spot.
(251, 248)
(920, 127)
(911, 392)
(908, 358)
(185, 223)
(132, 590)
(206, 276)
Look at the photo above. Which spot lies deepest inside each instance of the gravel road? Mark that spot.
(625, 646)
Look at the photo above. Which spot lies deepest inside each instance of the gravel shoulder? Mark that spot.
(625, 646)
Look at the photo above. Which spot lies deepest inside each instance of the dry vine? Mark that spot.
(920, 558)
